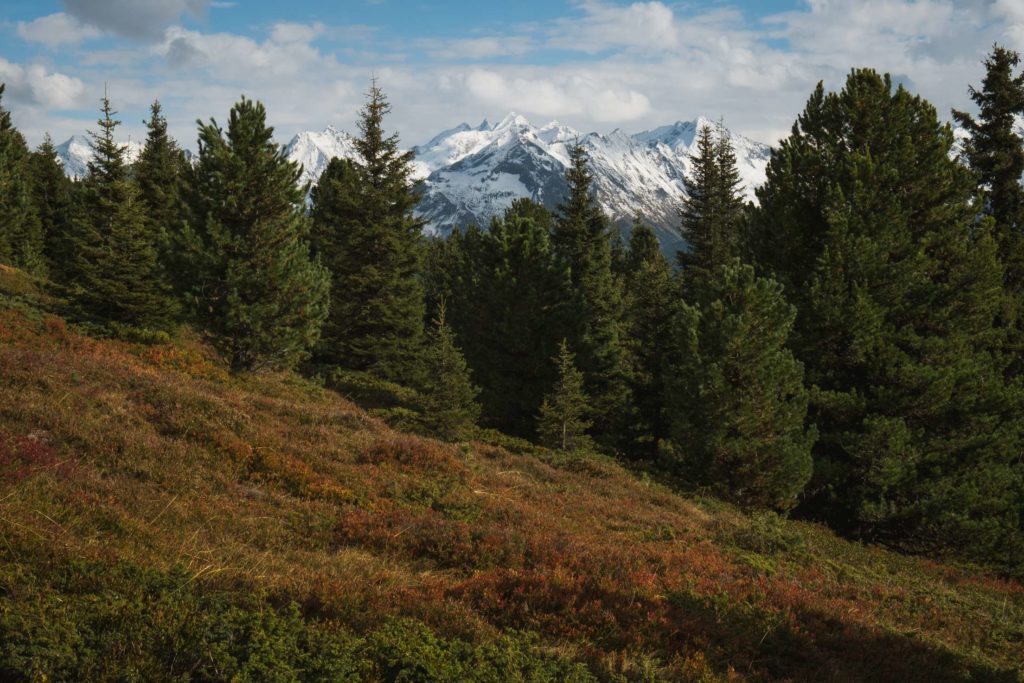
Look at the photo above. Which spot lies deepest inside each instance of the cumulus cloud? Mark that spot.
(33, 85)
(648, 25)
(55, 30)
(287, 52)
(138, 19)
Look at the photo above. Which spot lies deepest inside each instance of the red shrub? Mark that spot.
(23, 456)
(409, 451)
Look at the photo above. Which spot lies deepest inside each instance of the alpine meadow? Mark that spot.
(520, 403)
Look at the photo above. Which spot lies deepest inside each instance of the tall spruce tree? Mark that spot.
(365, 233)
(563, 421)
(21, 232)
(651, 297)
(505, 289)
(113, 269)
(870, 224)
(595, 318)
(735, 393)
(52, 197)
(995, 152)
(713, 209)
(262, 295)
(160, 171)
(450, 409)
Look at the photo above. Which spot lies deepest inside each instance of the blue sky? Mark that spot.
(592, 64)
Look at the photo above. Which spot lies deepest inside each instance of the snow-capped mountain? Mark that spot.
(472, 173)
(75, 153)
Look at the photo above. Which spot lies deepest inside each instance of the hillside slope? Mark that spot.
(162, 519)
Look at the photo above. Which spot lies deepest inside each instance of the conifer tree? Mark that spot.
(52, 197)
(449, 396)
(995, 153)
(581, 240)
(563, 422)
(365, 232)
(872, 228)
(113, 271)
(506, 304)
(713, 210)
(735, 394)
(159, 172)
(263, 297)
(21, 232)
(651, 298)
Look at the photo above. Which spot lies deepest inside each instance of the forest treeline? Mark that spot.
(849, 347)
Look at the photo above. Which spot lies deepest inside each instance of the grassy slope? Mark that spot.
(118, 458)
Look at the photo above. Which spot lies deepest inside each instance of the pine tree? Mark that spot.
(735, 394)
(506, 303)
(650, 300)
(52, 197)
(21, 232)
(713, 210)
(365, 233)
(264, 298)
(995, 153)
(450, 409)
(113, 271)
(563, 419)
(159, 173)
(872, 228)
(581, 240)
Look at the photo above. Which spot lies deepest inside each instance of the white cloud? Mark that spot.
(55, 30)
(479, 48)
(33, 85)
(139, 19)
(287, 32)
(647, 25)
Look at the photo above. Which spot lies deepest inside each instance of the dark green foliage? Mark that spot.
(996, 153)
(21, 232)
(90, 622)
(871, 227)
(581, 240)
(258, 291)
(449, 397)
(365, 233)
(52, 196)
(114, 272)
(563, 420)
(713, 211)
(651, 295)
(159, 173)
(735, 395)
(504, 290)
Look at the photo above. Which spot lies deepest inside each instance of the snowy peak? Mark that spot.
(75, 153)
(315, 150)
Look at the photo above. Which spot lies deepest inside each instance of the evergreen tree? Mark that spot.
(159, 172)
(872, 228)
(506, 304)
(581, 240)
(52, 197)
(449, 397)
(651, 298)
(736, 397)
(713, 210)
(365, 232)
(995, 153)
(563, 419)
(263, 296)
(114, 270)
(21, 232)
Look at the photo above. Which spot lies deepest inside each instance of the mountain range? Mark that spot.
(469, 174)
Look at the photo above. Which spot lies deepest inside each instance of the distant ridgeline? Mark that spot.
(472, 174)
